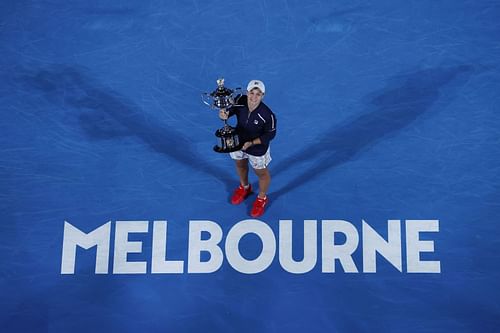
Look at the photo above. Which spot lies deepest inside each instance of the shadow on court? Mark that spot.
(106, 115)
(405, 99)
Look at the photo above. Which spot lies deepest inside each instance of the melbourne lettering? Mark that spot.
(330, 246)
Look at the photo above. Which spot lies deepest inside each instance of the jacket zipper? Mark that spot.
(248, 118)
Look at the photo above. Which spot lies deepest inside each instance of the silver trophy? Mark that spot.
(224, 98)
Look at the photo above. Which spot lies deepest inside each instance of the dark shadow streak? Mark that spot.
(396, 107)
(109, 115)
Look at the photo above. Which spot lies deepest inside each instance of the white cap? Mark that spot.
(256, 84)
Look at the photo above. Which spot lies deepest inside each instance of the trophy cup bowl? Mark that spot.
(224, 98)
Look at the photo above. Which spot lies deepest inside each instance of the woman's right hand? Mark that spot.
(223, 114)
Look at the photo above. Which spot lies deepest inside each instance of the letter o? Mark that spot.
(265, 258)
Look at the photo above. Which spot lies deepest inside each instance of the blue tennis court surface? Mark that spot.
(388, 125)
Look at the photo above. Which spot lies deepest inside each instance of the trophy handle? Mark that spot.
(238, 92)
(205, 99)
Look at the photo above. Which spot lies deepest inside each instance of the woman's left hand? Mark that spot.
(247, 145)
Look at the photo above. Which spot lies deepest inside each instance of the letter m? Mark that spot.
(73, 237)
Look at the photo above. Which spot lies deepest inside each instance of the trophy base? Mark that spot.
(228, 140)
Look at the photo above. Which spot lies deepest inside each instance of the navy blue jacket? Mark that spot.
(260, 123)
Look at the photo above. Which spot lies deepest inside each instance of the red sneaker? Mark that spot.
(259, 207)
(241, 194)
